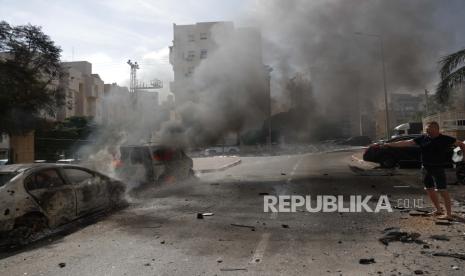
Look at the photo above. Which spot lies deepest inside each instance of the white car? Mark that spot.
(37, 196)
(221, 150)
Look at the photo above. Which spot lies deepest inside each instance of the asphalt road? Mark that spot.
(160, 234)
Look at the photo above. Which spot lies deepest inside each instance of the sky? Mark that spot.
(109, 32)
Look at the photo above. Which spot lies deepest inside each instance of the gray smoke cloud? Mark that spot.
(230, 89)
(320, 37)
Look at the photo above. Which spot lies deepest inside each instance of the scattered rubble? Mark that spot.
(392, 234)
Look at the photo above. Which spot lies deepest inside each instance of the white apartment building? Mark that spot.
(83, 91)
(191, 45)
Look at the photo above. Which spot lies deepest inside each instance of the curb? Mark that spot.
(235, 163)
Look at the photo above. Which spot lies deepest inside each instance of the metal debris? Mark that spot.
(440, 237)
(367, 261)
(460, 256)
(244, 226)
(233, 269)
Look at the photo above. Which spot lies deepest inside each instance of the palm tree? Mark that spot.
(452, 74)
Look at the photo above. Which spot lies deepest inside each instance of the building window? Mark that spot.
(203, 36)
(190, 55)
(203, 53)
(189, 72)
(190, 37)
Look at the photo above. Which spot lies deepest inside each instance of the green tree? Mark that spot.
(452, 74)
(29, 77)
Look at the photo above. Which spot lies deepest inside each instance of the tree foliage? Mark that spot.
(452, 74)
(29, 77)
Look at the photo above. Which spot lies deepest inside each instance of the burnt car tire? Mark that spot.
(117, 195)
(27, 228)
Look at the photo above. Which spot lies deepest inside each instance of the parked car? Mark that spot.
(37, 196)
(153, 163)
(221, 150)
(392, 157)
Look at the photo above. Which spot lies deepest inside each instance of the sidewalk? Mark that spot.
(215, 163)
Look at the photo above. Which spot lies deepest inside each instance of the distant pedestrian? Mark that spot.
(435, 148)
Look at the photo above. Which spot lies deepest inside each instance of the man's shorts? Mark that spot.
(434, 178)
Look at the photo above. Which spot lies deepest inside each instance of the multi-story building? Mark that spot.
(198, 44)
(83, 91)
(406, 107)
(191, 45)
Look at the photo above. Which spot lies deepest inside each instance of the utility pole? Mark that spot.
(134, 86)
(386, 105)
(134, 67)
(132, 81)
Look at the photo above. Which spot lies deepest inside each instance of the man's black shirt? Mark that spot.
(435, 152)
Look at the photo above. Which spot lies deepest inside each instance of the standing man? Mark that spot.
(435, 148)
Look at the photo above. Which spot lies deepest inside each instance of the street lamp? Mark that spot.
(384, 78)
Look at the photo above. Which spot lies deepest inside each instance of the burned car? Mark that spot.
(153, 164)
(37, 196)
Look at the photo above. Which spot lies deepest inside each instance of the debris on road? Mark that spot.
(243, 226)
(199, 216)
(392, 234)
(367, 261)
(440, 237)
(284, 226)
(283, 174)
(263, 194)
(61, 265)
(207, 214)
(418, 272)
(233, 269)
(460, 256)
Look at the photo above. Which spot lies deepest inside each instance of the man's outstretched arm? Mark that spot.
(400, 144)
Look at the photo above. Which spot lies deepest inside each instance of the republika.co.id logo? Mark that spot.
(325, 204)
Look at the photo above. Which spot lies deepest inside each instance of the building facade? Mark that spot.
(83, 92)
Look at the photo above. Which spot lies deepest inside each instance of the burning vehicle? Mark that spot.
(34, 197)
(152, 164)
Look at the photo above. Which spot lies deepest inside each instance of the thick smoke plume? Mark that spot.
(333, 42)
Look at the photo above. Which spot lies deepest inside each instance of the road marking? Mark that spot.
(294, 169)
(259, 251)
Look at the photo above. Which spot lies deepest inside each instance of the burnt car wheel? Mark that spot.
(27, 228)
(117, 194)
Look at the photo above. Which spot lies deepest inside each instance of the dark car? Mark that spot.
(392, 157)
(389, 157)
(37, 196)
(153, 163)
